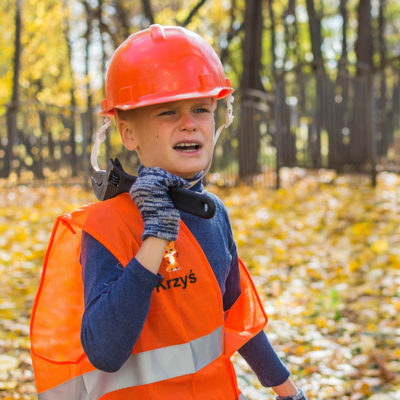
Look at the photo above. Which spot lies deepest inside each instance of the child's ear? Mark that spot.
(127, 135)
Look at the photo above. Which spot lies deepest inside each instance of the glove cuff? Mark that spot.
(168, 232)
(299, 396)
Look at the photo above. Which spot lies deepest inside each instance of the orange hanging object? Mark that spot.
(171, 257)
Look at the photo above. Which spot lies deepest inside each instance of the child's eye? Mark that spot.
(167, 112)
(202, 110)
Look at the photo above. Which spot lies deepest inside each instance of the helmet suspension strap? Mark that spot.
(100, 137)
(228, 117)
(228, 121)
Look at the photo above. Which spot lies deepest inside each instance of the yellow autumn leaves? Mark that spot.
(27, 215)
(325, 255)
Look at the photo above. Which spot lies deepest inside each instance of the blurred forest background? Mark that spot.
(317, 111)
(318, 82)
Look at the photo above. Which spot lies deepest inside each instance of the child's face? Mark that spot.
(175, 136)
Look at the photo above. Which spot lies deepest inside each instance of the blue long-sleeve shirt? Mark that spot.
(117, 299)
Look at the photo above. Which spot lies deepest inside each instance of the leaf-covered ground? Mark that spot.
(325, 256)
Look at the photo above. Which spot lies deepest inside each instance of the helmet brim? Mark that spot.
(149, 100)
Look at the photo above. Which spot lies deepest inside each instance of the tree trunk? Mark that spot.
(359, 140)
(314, 22)
(12, 110)
(342, 93)
(273, 37)
(288, 132)
(364, 43)
(88, 127)
(123, 19)
(232, 31)
(393, 120)
(72, 97)
(384, 136)
(38, 156)
(148, 11)
(104, 62)
(249, 136)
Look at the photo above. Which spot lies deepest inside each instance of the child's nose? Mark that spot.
(188, 122)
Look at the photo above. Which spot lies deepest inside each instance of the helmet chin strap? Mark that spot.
(228, 121)
(101, 135)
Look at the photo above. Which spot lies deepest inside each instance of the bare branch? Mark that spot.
(192, 13)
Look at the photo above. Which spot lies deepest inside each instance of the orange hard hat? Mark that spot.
(161, 64)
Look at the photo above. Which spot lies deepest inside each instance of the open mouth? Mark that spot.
(187, 147)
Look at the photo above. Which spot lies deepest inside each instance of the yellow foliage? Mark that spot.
(335, 250)
(380, 246)
(361, 229)
(325, 259)
(394, 261)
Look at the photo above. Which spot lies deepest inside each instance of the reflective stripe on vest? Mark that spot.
(143, 368)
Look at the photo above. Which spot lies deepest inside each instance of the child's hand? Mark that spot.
(299, 396)
(150, 193)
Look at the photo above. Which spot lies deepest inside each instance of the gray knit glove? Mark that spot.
(299, 396)
(150, 193)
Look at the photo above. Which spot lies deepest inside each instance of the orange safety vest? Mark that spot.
(184, 349)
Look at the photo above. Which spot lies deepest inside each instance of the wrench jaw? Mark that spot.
(111, 182)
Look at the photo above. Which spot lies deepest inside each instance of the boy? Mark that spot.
(150, 331)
